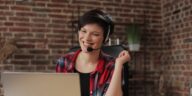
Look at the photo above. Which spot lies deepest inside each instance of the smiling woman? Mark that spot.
(90, 35)
(100, 73)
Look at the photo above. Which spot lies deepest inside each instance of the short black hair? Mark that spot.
(99, 17)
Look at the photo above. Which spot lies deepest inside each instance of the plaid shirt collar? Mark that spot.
(100, 64)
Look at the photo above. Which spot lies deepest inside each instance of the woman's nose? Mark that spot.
(87, 37)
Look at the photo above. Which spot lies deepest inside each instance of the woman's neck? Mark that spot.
(87, 62)
(89, 57)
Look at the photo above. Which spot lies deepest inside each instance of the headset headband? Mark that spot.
(108, 20)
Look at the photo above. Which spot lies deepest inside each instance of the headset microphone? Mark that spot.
(90, 49)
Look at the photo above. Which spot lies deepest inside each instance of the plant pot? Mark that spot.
(134, 47)
(133, 36)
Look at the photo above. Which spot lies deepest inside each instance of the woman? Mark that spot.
(99, 73)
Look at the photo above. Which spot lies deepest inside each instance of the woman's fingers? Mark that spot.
(123, 57)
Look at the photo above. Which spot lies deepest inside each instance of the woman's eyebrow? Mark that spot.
(83, 29)
(96, 32)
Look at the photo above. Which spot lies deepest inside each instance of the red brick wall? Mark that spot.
(148, 59)
(42, 31)
(177, 35)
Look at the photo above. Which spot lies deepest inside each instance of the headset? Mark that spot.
(106, 18)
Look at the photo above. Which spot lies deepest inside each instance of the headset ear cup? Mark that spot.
(108, 33)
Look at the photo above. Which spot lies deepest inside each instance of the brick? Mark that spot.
(19, 19)
(9, 35)
(20, 8)
(40, 57)
(51, 68)
(24, 68)
(56, 5)
(59, 21)
(26, 46)
(41, 20)
(41, 10)
(126, 15)
(22, 24)
(57, 26)
(18, 35)
(3, 29)
(19, 3)
(23, 56)
(26, 14)
(39, 35)
(58, 41)
(40, 62)
(41, 45)
(3, 18)
(55, 10)
(95, 3)
(20, 62)
(110, 4)
(60, 31)
(59, 1)
(8, 23)
(8, 67)
(3, 7)
(39, 51)
(38, 25)
(41, 15)
(19, 29)
(57, 46)
(40, 3)
(54, 57)
(40, 30)
(40, 0)
(43, 68)
(61, 51)
(6, 13)
(56, 36)
(59, 16)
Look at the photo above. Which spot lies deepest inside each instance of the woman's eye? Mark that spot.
(96, 34)
(83, 31)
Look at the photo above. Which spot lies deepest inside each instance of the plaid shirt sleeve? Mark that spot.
(108, 73)
(60, 67)
(105, 77)
(64, 64)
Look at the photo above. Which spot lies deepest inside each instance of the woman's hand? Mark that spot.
(122, 58)
(116, 81)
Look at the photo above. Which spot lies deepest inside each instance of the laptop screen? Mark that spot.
(40, 84)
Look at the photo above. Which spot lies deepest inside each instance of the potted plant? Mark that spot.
(133, 33)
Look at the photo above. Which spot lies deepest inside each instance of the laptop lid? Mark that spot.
(40, 84)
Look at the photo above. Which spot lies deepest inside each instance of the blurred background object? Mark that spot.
(7, 47)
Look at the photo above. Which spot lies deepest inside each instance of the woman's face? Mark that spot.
(90, 35)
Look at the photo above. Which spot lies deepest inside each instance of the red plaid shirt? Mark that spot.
(99, 79)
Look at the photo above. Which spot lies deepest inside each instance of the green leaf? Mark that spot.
(133, 33)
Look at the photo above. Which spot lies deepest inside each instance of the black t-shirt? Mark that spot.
(84, 83)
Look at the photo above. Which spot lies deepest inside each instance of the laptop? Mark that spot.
(40, 84)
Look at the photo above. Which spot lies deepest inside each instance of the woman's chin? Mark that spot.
(84, 50)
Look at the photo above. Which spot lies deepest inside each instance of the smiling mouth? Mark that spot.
(87, 44)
